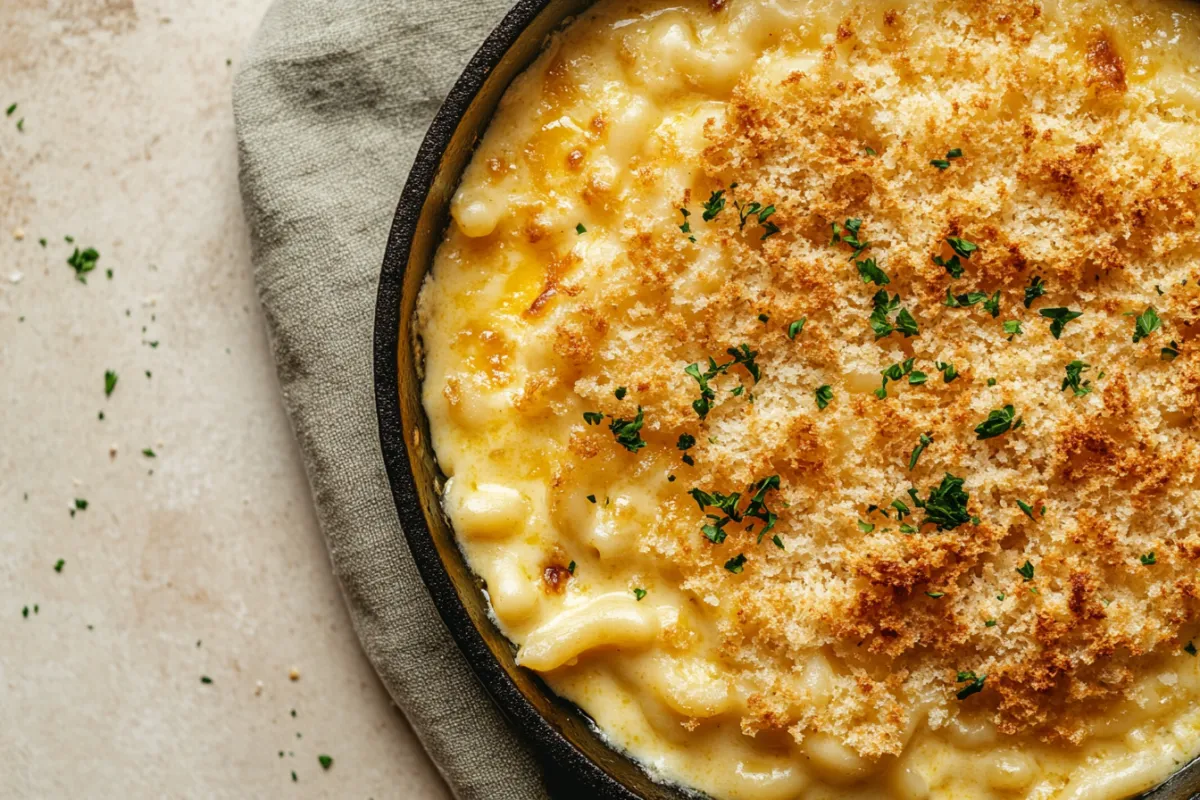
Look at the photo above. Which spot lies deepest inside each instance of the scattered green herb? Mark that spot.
(1026, 571)
(1035, 289)
(83, 262)
(974, 684)
(998, 421)
(580, 230)
(736, 563)
(1147, 323)
(1149, 559)
(946, 506)
(1013, 328)
(922, 443)
(1075, 372)
(1059, 318)
(824, 396)
(626, 432)
(639, 593)
(796, 327)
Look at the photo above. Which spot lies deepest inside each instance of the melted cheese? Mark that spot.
(821, 658)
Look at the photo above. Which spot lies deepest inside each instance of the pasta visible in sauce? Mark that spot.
(816, 385)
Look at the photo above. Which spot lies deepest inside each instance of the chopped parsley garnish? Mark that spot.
(991, 381)
(593, 417)
(1013, 328)
(8, 112)
(58, 565)
(849, 235)
(736, 563)
(571, 568)
(759, 211)
(81, 504)
(998, 421)
(924, 442)
(626, 432)
(639, 593)
(991, 623)
(824, 396)
(1026, 509)
(777, 541)
(944, 163)
(916, 377)
(992, 305)
(742, 355)
(865, 527)
(949, 373)
(83, 262)
(1147, 323)
(1190, 649)
(149, 453)
(1035, 289)
(1170, 352)
(205, 679)
(962, 249)
(1059, 318)
(727, 504)
(893, 373)
(620, 392)
(796, 327)
(714, 205)
(964, 300)
(580, 230)
(686, 441)
(1026, 571)
(870, 151)
(871, 272)
(935, 595)
(1075, 372)
(1149, 560)
(764, 319)
(974, 684)
(946, 505)
(591, 498)
(325, 761)
(880, 322)
(686, 227)
(110, 382)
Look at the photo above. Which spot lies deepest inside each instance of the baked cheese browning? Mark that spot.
(845, 352)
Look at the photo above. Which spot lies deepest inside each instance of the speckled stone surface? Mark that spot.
(205, 560)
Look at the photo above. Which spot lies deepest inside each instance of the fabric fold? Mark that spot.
(331, 103)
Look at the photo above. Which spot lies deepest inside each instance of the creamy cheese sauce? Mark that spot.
(826, 642)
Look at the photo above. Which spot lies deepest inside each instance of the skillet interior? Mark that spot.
(579, 764)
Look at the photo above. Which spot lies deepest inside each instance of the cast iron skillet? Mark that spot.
(578, 762)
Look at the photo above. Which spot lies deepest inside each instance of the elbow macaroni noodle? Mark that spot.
(553, 288)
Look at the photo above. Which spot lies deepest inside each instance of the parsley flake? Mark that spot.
(1075, 372)
(714, 205)
(865, 527)
(824, 396)
(639, 593)
(593, 417)
(325, 761)
(796, 327)
(1026, 509)
(924, 442)
(949, 373)
(974, 684)
(1147, 323)
(1190, 649)
(1035, 289)
(620, 392)
(58, 565)
(580, 230)
(1170, 352)
(110, 382)
(1013, 328)
(998, 421)
(1149, 559)
(871, 272)
(83, 262)
(946, 506)
(1026, 571)
(736, 563)
(626, 432)
(1059, 318)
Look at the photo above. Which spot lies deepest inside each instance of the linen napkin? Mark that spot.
(331, 103)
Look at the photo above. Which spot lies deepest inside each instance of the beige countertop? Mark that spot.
(204, 560)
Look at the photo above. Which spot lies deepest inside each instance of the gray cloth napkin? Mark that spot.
(331, 103)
